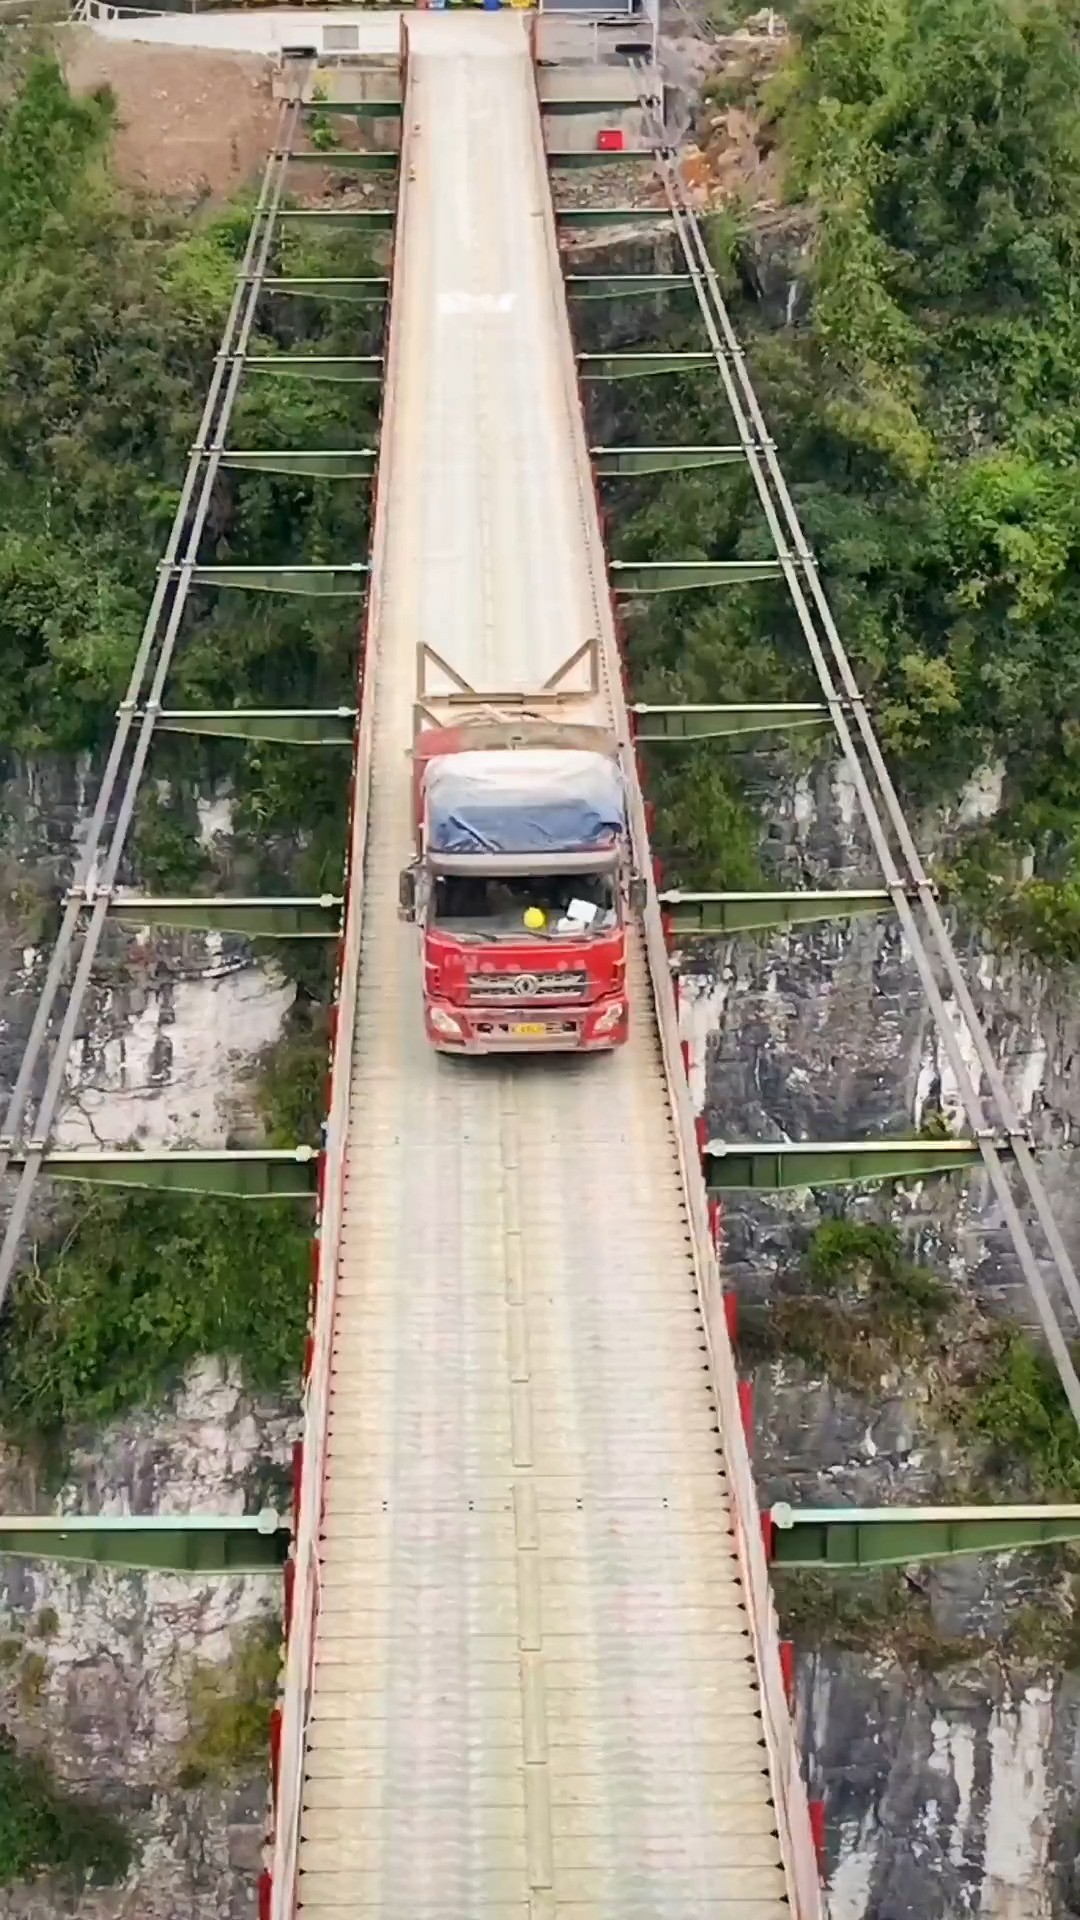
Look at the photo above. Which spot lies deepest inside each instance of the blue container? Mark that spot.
(492, 6)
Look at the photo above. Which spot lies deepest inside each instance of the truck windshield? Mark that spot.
(551, 906)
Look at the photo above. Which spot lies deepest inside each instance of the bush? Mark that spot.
(143, 1285)
(229, 1708)
(44, 1829)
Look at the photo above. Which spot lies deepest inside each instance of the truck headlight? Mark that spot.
(445, 1023)
(610, 1017)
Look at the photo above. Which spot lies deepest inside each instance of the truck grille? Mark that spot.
(523, 988)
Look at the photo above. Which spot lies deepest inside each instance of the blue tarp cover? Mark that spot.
(527, 800)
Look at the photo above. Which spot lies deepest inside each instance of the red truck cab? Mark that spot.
(522, 888)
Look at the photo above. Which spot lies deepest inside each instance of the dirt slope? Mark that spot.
(192, 124)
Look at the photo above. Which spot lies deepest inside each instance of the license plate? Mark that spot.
(529, 1027)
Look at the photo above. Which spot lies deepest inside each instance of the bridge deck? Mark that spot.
(534, 1693)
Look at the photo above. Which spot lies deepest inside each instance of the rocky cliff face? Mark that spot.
(96, 1665)
(948, 1791)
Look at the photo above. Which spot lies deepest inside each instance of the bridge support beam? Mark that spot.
(576, 159)
(349, 160)
(706, 722)
(185, 1543)
(259, 1173)
(842, 1539)
(317, 463)
(613, 217)
(638, 577)
(565, 107)
(624, 286)
(319, 219)
(313, 918)
(761, 1166)
(364, 369)
(353, 109)
(640, 366)
(618, 462)
(298, 726)
(346, 582)
(700, 915)
(366, 290)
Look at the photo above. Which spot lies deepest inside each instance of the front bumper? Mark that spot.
(526, 1030)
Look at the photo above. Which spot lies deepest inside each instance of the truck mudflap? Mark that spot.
(593, 1029)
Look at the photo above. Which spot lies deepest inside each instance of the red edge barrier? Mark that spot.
(746, 1408)
(787, 1668)
(265, 1891)
(275, 1752)
(817, 1828)
(768, 1534)
(297, 1477)
(731, 1314)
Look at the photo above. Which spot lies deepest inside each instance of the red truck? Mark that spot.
(522, 884)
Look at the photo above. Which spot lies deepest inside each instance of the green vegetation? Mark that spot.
(111, 311)
(879, 1613)
(110, 314)
(1010, 1404)
(33, 1674)
(142, 1285)
(229, 1709)
(928, 409)
(44, 1829)
(291, 1092)
(858, 1305)
(887, 1615)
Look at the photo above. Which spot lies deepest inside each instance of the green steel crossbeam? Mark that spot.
(570, 106)
(257, 1173)
(184, 1543)
(356, 109)
(317, 463)
(383, 160)
(638, 577)
(361, 368)
(343, 582)
(311, 918)
(776, 1167)
(299, 726)
(365, 289)
(369, 218)
(572, 159)
(613, 217)
(609, 461)
(624, 286)
(842, 1538)
(640, 366)
(706, 722)
(705, 914)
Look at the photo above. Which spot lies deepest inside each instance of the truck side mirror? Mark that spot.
(637, 893)
(407, 894)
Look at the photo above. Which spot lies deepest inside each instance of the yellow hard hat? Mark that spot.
(533, 917)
